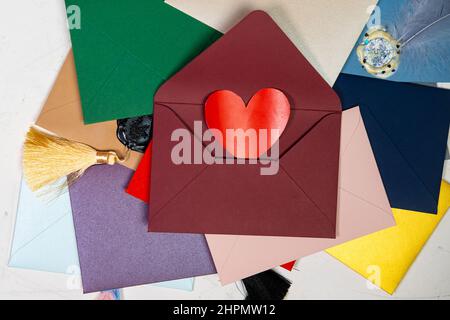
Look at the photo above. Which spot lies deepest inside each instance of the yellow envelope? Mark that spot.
(384, 257)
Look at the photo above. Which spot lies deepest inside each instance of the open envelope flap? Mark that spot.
(255, 54)
(62, 115)
(176, 187)
(301, 123)
(407, 126)
(363, 209)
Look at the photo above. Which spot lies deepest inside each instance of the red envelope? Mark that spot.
(300, 200)
(289, 266)
(139, 185)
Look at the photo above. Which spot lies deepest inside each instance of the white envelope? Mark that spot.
(325, 31)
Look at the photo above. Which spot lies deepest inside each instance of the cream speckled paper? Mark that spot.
(324, 31)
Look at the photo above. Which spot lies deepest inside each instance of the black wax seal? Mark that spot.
(135, 133)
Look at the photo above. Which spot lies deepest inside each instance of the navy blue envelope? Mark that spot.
(408, 128)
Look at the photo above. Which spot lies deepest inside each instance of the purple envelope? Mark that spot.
(114, 247)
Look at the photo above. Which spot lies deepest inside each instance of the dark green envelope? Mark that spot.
(125, 49)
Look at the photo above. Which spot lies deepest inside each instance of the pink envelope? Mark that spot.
(363, 208)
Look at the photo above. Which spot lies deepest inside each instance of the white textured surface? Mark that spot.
(447, 162)
(33, 43)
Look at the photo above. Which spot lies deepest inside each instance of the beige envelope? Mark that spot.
(62, 116)
(325, 31)
(363, 208)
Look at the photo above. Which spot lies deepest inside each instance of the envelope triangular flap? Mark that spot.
(358, 162)
(423, 105)
(238, 204)
(225, 245)
(255, 54)
(399, 173)
(309, 186)
(170, 182)
(299, 125)
(303, 167)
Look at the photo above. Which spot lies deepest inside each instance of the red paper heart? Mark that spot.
(268, 109)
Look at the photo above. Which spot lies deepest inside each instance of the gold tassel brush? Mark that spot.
(47, 158)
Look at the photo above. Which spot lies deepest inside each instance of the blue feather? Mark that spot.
(423, 29)
(417, 15)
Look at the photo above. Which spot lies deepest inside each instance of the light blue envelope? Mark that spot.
(44, 236)
(181, 284)
(412, 68)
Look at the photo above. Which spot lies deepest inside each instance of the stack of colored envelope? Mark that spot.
(44, 225)
(355, 168)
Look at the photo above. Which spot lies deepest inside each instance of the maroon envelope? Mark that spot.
(301, 199)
